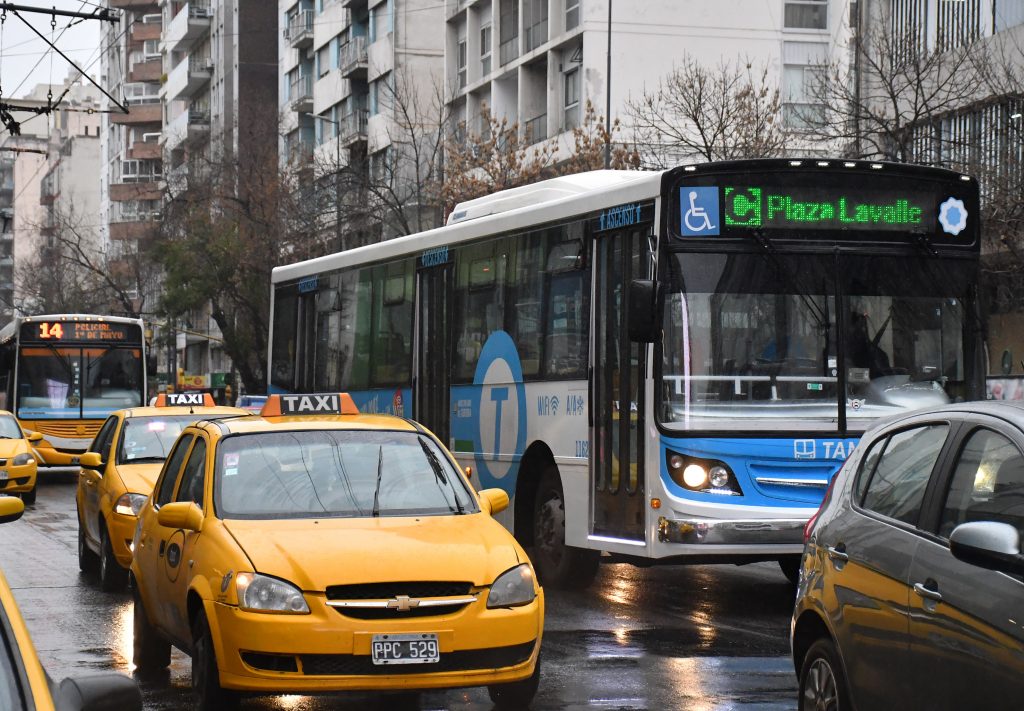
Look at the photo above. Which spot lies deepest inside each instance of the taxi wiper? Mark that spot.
(376, 491)
(440, 476)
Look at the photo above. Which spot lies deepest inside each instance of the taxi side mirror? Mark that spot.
(181, 514)
(33, 436)
(11, 508)
(90, 460)
(494, 500)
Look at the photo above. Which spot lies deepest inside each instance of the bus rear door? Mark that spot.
(432, 387)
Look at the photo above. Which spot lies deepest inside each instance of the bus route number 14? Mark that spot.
(51, 330)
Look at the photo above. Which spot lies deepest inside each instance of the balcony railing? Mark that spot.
(198, 117)
(509, 50)
(300, 28)
(536, 129)
(199, 10)
(353, 54)
(142, 93)
(536, 35)
(353, 125)
(197, 65)
(301, 89)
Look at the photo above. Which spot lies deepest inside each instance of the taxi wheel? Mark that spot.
(86, 558)
(150, 651)
(822, 682)
(29, 497)
(558, 565)
(517, 694)
(113, 578)
(207, 693)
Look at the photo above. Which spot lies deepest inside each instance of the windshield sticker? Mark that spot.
(157, 426)
(231, 460)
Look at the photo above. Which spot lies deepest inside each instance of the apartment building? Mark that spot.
(537, 63)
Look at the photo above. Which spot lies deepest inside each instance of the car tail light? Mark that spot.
(809, 526)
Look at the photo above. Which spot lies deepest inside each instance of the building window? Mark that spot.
(485, 50)
(958, 23)
(806, 14)
(572, 14)
(462, 64)
(323, 61)
(803, 78)
(535, 23)
(380, 21)
(509, 31)
(908, 25)
(572, 99)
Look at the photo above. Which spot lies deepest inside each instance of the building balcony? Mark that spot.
(190, 24)
(121, 192)
(189, 127)
(149, 70)
(139, 113)
(536, 129)
(146, 149)
(353, 58)
(134, 229)
(142, 31)
(300, 94)
(354, 4)
(132, 4)
(187, 77)
(508, 50)
(299, 32)
(353, 128)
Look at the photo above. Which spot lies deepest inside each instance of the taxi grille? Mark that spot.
(462, 660)
(386, 591)
(387, 613)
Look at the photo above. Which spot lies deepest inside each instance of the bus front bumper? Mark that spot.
(752, 532)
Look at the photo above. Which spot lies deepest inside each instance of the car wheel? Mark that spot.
(207, 693)
(113, 578)
(790, 566)
(86, 558)
(516, 694)
(558, 565)
(822, 682)
(150, 651)
(29, 497)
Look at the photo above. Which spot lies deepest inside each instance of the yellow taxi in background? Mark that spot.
(17, 462)
(24, 685)
(117, 474)
(316, 549)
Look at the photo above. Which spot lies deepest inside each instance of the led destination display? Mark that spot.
(816, 208)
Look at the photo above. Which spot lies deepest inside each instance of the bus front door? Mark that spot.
(432, 388)
(617, 438)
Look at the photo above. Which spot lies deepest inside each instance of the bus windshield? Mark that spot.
(61, 382)
(753, 341)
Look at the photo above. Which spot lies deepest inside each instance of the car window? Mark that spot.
(150, 438)
(987, 485)
(897, 487)
(171, 470)
(194, 476)
(867, 468)
(10, 680)
(9, 428)
(104, 437)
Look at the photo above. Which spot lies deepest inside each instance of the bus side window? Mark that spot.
(567, 325)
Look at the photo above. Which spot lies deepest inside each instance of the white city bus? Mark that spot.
(661, 366)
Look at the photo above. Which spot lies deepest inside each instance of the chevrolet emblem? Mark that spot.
(402, 603)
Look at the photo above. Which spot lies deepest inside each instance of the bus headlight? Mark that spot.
(708, 476)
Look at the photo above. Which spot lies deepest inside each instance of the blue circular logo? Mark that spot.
(500, 404)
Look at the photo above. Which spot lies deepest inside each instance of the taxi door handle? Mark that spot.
(927, 592)
(163, 544)
(838, 553)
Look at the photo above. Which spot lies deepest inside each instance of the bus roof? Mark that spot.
(11, 329)
(536, 204)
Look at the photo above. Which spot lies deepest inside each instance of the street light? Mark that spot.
(337, 178)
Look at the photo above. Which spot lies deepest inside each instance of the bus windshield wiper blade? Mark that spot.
(376, 491)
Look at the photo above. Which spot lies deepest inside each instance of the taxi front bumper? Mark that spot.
(16, 480)
(328, 651)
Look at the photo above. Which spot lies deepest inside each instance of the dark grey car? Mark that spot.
(911, 593)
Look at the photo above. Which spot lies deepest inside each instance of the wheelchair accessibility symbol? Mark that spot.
(699, 207)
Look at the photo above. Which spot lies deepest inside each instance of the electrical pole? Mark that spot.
(608, 91)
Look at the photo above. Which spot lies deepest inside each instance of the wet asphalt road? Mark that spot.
(696, 637)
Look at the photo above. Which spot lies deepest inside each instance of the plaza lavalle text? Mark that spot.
(782, 209)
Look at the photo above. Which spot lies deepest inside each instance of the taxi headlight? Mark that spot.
(22, 459)
(261, 593)
(130, 504)
(512, 588)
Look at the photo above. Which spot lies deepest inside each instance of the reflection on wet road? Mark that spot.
(700, 638)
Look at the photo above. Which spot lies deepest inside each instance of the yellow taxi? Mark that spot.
(314, 549)
(118, 472)
(17, 461)
(24, 685)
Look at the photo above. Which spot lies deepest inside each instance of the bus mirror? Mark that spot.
(644, 326)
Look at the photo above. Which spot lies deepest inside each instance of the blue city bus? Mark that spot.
(659, 366)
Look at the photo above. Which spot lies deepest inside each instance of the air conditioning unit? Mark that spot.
(204, 12)
(152, 137)
(151, 19)
(209, 64)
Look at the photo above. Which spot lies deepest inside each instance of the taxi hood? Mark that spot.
(316, 553)
(139, 478)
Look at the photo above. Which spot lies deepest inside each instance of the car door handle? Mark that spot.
(163, 544)
(927, 592)
(838, 554)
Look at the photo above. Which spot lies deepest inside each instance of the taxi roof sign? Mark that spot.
(309, 404)
(184, 400)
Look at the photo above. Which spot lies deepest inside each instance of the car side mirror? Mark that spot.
(644, 300)
(181, 514)
(90, 460)
(988, 544)
(100, 692)
(11, 508)
(494, 500)
(33, 436)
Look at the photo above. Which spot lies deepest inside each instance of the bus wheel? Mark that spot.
(790, 565)
(558, 565)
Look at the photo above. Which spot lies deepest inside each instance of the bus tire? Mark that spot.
(558, 565)
(790, 566)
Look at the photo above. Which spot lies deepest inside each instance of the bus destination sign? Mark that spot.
(79, 332)
(764, 207)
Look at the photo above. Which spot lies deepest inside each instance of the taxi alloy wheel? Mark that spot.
(822, 684)
(207, 693)
(558, 565)
(86, 558)
(113, 578)
(517, 694)
(150, 651)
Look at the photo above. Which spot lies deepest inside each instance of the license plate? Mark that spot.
(404, 649)
(3, 475)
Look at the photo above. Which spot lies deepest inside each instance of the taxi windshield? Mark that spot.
(336, 473)
(149, 439)
(9, 428)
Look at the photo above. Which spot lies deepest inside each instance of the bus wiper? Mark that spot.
(440, 476)
(376, 491)
(817, 312)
